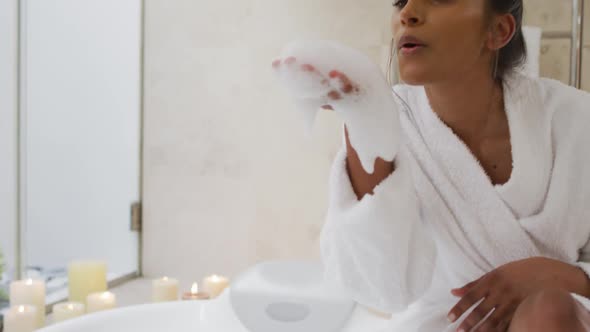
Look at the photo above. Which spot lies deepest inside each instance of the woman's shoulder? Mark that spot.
(564, 100)
(570, 113)
(563, 105)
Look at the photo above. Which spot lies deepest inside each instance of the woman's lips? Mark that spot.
(411, 49)
(409, 45)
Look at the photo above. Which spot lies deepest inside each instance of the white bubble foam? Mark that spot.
(370, 111)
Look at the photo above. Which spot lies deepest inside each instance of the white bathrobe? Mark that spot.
(437, 222)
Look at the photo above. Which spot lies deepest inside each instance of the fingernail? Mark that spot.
(307, 67)
(334, 74)
(461, 330)
(452, 317)
(334, 95)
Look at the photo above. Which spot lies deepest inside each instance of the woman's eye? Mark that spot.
(399, 3)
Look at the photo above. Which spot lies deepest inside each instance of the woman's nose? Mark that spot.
(409, 15)
(411, 21)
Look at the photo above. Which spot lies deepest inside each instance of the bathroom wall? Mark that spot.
(553, 16)
(556, 16)
(229, 178)
(8, 29)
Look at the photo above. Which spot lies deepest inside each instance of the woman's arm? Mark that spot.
(376, 248)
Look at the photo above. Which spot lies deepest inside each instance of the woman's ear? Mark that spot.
(502, 31)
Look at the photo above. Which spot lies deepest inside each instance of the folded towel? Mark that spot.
(532, 37)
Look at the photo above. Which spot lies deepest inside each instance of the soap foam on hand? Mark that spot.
(320, 73)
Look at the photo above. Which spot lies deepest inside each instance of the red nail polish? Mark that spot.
(307, 67)
(334, 95)
(334, 74)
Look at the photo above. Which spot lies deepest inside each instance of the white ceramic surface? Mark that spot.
(208, 316)
(288, 296)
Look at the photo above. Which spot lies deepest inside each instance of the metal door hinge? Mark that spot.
(136, 219)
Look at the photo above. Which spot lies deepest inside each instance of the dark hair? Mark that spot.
(514, 54)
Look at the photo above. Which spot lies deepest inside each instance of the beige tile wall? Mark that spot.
(555, 59)
(552, 15)
(229, 178)
(555, 16)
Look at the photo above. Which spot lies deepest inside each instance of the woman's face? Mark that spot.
(454, 34)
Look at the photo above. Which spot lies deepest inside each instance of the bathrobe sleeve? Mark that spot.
(377, 250)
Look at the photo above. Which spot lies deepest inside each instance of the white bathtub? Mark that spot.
(188, 316)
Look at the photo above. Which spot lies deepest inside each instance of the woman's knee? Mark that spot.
(547, 310)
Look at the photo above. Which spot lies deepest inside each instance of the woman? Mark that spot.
(487, 190)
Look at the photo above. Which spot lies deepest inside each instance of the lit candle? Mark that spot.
(85, 277)
(21, 318)
(194, 294)
(100, 301)
(164, 289)
(67, 310)
(29, 292)
(214, 285)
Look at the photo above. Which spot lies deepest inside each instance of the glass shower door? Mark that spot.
(80, 135)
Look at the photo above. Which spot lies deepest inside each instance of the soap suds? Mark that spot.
(319, 73)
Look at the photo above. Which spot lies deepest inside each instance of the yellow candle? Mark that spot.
(85, 277)
(22, 318)
(29, 292)
(214, 285)
(164, 289)
(100, 301)
(67, 310)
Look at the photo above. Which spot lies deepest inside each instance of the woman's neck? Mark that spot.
(471, 105)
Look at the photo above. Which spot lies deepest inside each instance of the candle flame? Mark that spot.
(21, 309)
(165, 278)
(195, 288)
(29, 282)
(70, 306)
(105, 295)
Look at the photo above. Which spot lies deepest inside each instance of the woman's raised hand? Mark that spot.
(329, 75)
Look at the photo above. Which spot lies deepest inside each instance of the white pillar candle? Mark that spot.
(67, 310)
(29, 292)
(21, 318)
(164, 289)
(100, 301)
(214, 285)
(86, 277)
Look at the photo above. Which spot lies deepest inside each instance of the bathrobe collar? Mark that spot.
(496, 210)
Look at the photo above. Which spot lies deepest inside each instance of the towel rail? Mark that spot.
(577, 41)
(577, 49)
